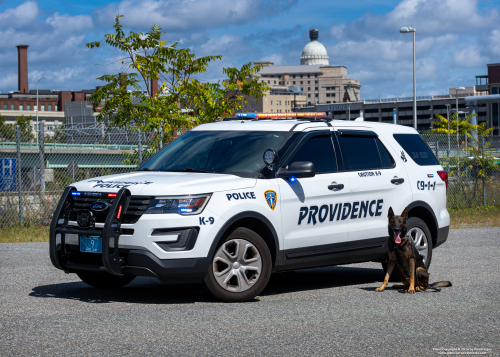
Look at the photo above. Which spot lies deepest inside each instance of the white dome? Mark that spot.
(314, 52)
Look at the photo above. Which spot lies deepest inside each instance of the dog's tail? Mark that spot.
(438, 284)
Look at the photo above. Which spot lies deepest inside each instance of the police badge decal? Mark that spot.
(271, 198)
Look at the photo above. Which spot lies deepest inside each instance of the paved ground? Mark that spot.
(331, 311)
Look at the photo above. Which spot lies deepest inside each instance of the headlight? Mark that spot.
(179, 204)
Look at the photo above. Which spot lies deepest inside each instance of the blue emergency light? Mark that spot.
(246, 115)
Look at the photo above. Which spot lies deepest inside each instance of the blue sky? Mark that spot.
(455, 38)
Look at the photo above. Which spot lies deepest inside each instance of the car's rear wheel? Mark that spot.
(421, 236)
(240, 268)
(105, 280)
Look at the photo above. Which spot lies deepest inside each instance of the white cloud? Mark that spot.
(469, 57)
(276, 58)
(189, 14)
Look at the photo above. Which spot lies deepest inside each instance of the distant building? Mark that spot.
(318, 81)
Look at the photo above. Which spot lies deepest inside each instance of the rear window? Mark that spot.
(364, 153)
(417, 149)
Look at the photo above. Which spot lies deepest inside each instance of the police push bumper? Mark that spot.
(111, 259)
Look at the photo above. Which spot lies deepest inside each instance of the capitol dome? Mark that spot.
(314, 52)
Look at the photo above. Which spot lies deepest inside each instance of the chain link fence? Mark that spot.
(473, 167)
(36, 165)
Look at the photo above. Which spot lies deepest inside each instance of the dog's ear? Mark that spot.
(391, 213)
(405, 213)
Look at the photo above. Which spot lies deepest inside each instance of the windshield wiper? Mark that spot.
(190, 169)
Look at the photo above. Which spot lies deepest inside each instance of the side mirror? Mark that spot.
(297, 169)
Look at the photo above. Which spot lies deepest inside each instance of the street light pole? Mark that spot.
(412, 30)
(37, 127)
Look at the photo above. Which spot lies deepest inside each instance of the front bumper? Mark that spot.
(115, 260)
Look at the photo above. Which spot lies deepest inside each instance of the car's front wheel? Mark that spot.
(240, 268)
(105, 280)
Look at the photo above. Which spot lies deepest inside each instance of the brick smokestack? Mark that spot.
(154, 87)
(22, 68)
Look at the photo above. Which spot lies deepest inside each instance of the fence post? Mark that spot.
(41, 151)
(139, 149)
(19, 175)
(484, 178)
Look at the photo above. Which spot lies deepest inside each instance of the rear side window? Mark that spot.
(318, 150)
(362, 153)
(417, 149)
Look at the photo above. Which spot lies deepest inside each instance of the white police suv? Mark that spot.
(230, 202)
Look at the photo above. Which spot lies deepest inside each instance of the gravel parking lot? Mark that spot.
(331, 311)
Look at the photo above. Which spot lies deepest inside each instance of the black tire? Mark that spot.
(223, 294)
(414, 222)
(105, 280)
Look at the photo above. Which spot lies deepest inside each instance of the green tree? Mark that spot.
(8, 131)
(148, 57)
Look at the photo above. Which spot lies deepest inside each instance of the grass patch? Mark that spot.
(475, 217)
(24, 234)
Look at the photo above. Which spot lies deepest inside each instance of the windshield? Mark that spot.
(229, 152)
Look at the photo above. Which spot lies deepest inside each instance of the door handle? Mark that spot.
(397, 181)
(335, 186)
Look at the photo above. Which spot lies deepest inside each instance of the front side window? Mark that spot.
(224, 152)
(319, 151)
(362, 153)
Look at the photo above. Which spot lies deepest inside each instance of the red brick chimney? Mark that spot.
(22, 68)
(154, 87)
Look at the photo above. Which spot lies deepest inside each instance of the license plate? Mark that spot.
(90, 244)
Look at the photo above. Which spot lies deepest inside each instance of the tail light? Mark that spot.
(444, 177)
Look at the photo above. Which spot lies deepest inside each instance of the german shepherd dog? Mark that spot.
(404, 254)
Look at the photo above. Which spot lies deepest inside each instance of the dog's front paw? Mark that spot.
(411, 290)
(379, 289)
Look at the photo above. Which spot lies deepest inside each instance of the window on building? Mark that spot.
(274, 82)
(308, 96)
(301, 82)
(316, 95)
(316, 88)
(327, 94)
(55, 108)
(494, 90)
(308, 82)
(308, 76)
(333, 94)
(5, 107)
(309, 103)
(279, 76)
(268, 82)
(50, 107)
(21, 107)
(271, 102)
(316, 75)
(293, 76)
(293, 82)
(42, 109)
(12, 107)
(302, 89)
(328, 101)
(308, 88)
(301, 76)
(28, 106)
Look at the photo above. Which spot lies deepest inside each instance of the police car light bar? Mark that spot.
(281, 115)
